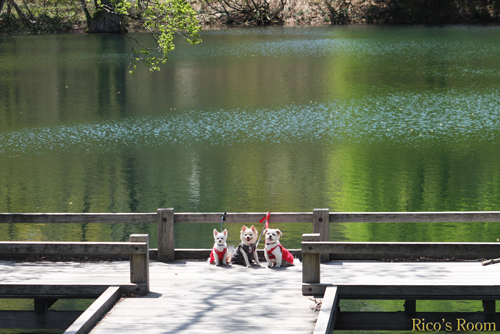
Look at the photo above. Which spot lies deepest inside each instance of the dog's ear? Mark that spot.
(225, 232)
(215, 232)
(279, 232)
(253, 228)
(243, 228)
(265, 231)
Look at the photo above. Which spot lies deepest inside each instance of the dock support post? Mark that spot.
(310, 262)
(166, 240)
(321, 225)
(41, 305)
(410, 306)
(489, 307)
(139, 263)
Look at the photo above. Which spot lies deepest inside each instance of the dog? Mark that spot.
(219, 254)
(247, 249)
(274, 252)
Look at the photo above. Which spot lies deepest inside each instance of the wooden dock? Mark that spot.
(196, 297)
(186, 296)
(189, 296)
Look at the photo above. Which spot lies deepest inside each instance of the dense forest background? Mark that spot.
(63, 16)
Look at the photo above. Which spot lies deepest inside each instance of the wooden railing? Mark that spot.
(137, 249)
(166, 219)
(332, 292)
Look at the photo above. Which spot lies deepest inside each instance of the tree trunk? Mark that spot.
(105, 21)
(23, 17)
(1, 5)
(87, 14)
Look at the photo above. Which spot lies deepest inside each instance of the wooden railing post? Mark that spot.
(310, 261)
(321, 225)
(139, 263)
(166, 240)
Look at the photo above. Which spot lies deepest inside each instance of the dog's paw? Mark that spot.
(249, 266)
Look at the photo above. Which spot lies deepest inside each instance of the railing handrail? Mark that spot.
(63, 247)
(246, 217)
(137, 248)
(320, 218)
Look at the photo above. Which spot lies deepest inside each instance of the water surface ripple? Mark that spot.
(408, 119)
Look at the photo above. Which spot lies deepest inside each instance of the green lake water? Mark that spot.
(356, 118)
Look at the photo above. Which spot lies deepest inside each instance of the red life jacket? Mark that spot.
(285, 254)
(219, 254)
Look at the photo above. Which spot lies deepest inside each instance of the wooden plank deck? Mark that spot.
(195, 297)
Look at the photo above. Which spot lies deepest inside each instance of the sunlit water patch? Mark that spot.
(407, 119)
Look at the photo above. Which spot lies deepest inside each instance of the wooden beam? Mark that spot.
(33, 247)
(99, 308)
(328, 312)
(244, 217)
(405, 292)
(204, 253)
(415, 217)
(79, 218)
(377, 250)
(57, 291)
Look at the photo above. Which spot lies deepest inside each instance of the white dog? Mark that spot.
(219, 254)
(273, 251)
(247, 249)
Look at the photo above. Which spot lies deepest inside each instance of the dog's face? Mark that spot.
(273, 235)
(220, 237)
(248, 235)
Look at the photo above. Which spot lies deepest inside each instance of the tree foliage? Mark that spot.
(163, 19)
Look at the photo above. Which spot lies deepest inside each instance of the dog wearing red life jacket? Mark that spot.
(220, 254)
(274, 252)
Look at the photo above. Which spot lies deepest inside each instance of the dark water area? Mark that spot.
(356, 118)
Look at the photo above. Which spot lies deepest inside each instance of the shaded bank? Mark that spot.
(315, 12)
(67, 16)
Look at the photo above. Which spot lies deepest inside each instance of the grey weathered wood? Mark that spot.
(321, 225)
(244, 217)
(166, 240)
(328, 312)
(54, 247)
(139, 263)
(204, 253)
(415, 217)
(310, 261)
(376, 250)
(56, 291)
(415, 291)
(60, 218)
(96, 311)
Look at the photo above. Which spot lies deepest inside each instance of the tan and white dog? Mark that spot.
(219, 254)
(274, 252)
(246, 252)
